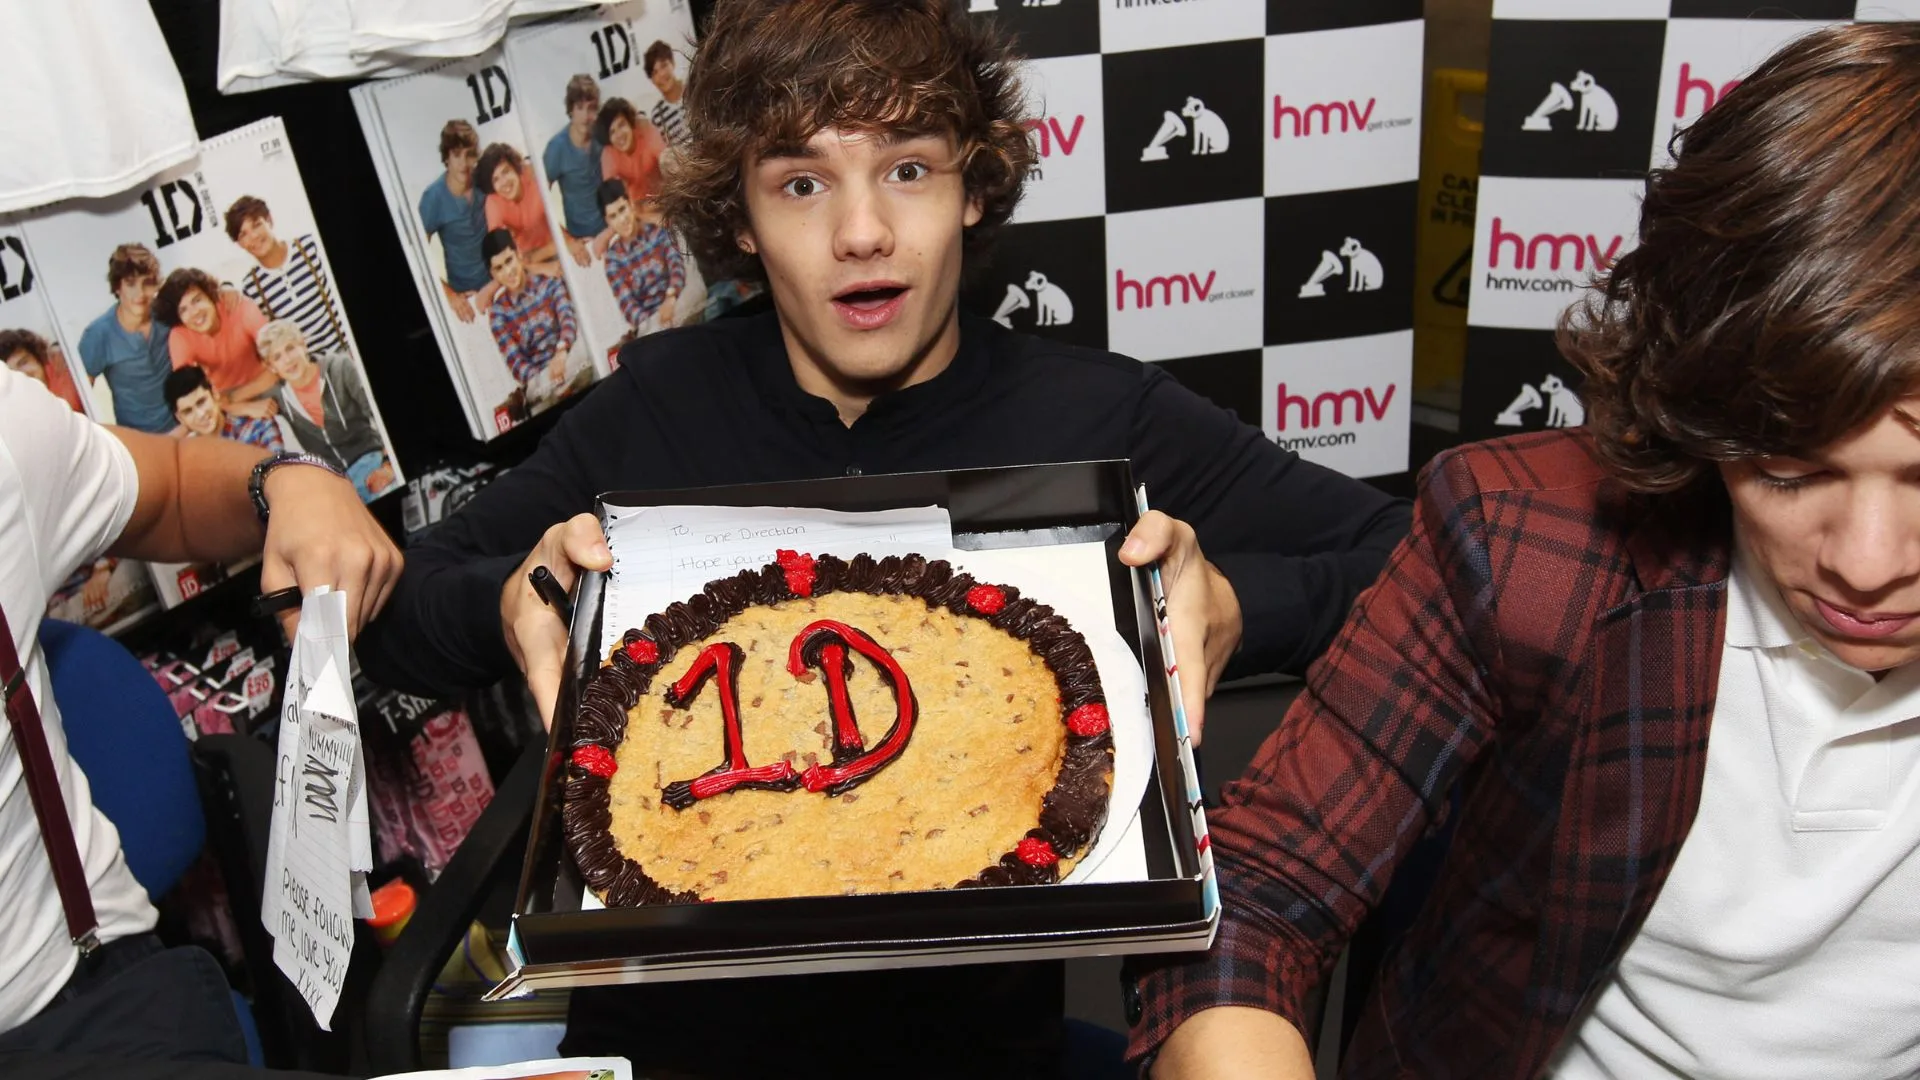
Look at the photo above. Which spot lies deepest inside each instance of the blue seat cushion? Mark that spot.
(125, 736)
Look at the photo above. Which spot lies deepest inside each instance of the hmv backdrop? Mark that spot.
(1226, 187)
(1583, 97)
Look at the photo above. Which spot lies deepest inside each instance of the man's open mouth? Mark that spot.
(869, 297)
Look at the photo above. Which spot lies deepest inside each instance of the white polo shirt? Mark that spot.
(1786, 942)
(67, 488)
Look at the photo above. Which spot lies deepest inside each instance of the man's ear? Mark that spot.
(744, 238)
(974, 212)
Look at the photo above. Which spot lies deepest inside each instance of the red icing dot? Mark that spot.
(1088, 720)
(1036, 852)
(799, 571)
(986, 599)
(642, 651)
(595, 759)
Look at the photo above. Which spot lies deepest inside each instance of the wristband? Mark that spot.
(257, 483)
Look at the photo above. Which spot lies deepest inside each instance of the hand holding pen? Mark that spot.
(534, 611)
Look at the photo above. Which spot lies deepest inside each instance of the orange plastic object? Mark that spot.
(393, 905)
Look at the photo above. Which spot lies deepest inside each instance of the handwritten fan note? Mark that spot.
(319, 848)
(666, 553)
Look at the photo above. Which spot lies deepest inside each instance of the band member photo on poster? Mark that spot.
(107, 594)
(197, 266)
(454, 164)
(599, 92)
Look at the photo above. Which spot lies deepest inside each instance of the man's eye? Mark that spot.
(802, 186)
(909, 171)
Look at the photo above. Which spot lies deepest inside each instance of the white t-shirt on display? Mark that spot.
(67, 488)
(102, 107)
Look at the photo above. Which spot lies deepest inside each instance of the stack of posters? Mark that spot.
(521, 182)
(204, 306)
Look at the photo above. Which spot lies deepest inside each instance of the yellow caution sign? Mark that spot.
(1449, 181)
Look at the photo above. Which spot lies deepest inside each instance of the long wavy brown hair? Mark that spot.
(770, 74)
(1773, 303)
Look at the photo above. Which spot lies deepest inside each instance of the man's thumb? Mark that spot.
(585, 545)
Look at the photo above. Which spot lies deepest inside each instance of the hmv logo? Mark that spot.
(1570, 251)
(1192, 288)
(1301, 121)
(175, 210)
(1333, 406)
(1361, 270)
(1049, 133)
(1701, 90)
(488, 105)
(1050, 303)
(614, 46)
(1209, 131)
(16, 274)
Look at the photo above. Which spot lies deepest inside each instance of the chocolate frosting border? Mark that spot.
(1071, 814)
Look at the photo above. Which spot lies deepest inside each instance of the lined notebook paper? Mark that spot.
(666, 553)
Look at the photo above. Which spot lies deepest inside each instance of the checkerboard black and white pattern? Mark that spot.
(1583, 97)
(1227, 187)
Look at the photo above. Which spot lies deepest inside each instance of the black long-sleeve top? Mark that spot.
(718, 404)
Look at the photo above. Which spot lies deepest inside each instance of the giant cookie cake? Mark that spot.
(825, 726)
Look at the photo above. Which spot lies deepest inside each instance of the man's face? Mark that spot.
(582, 114)
(27, 364)
(199, 412)
(621, 217)
(460, 163)
(620, 130)
(256, 236)
(860, 236)
(661, 75)
(289, 361)
(136, 293)
(1838, 533)
(506, 181)
(198, 312)
(508, 270)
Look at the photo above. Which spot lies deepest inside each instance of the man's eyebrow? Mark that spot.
(806, 151)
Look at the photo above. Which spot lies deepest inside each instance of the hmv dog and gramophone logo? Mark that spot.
(1183, 125)
(1045, 27)
(1572, 99)
(1335, 267)
(1045, 278)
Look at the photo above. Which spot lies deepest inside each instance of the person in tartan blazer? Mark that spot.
(1543, 660)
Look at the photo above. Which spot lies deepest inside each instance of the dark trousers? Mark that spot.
(134, 1009)
(986, 1020)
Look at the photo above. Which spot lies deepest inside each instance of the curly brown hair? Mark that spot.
(166, 304)
(130, 261)
(1773, 303)
(14, 340)
(490, 160)
(771, 73)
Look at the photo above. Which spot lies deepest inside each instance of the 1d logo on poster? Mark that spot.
(1539, 243)
(16, 273)
(1341, 403)
(1342, 108)
(1705, 60)
(1184, 281)
(1069, 178)
(1182, 125)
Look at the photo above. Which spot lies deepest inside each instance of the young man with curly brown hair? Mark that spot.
(1662, 673)
(855, 154)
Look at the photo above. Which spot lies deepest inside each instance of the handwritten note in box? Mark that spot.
(666, 553)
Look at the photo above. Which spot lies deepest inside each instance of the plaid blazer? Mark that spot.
(1546, 642)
